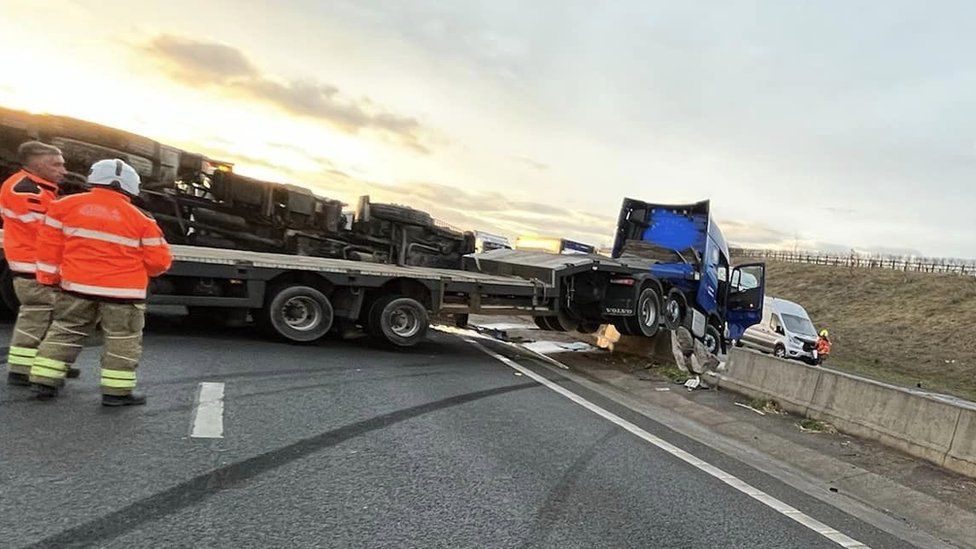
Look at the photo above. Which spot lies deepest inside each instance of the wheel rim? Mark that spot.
(780, 352)
(711, 344)
(648, 313)
(674, 311)
(404, 321)
(302, 313)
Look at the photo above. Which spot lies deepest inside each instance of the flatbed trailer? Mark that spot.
(300, 298)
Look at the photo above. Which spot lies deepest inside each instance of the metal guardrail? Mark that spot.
(963, 267)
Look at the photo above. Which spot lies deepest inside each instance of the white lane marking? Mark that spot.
(760, 496)
(208, 421)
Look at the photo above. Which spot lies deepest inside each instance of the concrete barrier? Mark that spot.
(938, 429)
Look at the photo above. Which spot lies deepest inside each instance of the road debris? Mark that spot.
(747, 407)
(695, 383)
(550, 347)
(808, 425)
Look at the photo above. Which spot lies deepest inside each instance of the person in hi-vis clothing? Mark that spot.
(101, 250)
(24, 199)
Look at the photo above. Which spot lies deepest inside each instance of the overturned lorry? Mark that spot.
(199, 201)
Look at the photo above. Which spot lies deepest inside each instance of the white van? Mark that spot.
(785, 331)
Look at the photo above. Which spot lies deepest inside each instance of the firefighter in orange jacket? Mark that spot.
(24, 199)
(101, 250)
(823, 346)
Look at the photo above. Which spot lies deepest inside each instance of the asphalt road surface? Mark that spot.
(349, 444)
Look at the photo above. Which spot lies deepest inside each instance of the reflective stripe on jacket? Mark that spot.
(24, 199)
(97, 243)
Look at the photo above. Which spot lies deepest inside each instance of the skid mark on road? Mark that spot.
(552, 510)
(201, 487)
(760, 496)
(310, 370)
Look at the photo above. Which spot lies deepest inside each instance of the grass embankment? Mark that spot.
(903, 328)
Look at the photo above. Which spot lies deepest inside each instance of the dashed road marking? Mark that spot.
(208, 417)
(760, 496)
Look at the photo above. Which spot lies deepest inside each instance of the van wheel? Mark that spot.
(779, 351)
(712, 340)
(675, 308)
(300, 314)
(400, 321)
(647, 319)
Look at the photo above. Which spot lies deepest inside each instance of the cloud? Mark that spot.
(469, 209)
(532, 163)
(195, 60)
(229, 70)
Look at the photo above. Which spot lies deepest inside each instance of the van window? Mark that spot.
(774, 322)
(799, 325)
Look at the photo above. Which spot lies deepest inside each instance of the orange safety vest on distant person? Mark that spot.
(99, 244)
(823, 346)
(24, 199)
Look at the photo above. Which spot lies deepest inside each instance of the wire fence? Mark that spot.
(963, 267)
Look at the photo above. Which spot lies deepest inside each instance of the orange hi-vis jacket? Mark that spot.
(24, 199)
(99, 244)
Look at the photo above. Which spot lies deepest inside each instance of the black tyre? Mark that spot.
(675, 309)
(461, 320)
(588, 326)
(551, 323)
(220, 219)
(299, 314)
(779, 351)
(398, 320)
(8, 298)
(563, 322)
(210, 241)
(712, 340)
(647, 318)
(401, 214)
(540, 322)
(622, 326)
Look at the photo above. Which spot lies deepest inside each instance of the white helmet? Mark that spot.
(115, 173)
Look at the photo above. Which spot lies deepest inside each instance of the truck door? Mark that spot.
(744, 298)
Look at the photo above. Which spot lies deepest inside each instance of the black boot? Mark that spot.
(133, 399)
(44, 392)
(20, 380)
(73, 372)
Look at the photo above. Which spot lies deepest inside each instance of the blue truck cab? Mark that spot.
(685, 250)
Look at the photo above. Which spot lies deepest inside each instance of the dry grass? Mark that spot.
(903, 328)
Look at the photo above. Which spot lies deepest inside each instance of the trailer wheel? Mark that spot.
(647, 319)
(300, 314)
(540, 322)
(461, 320)
(675, 309)
(588, 326)
(401, 321)
(712, 340)
(550, 323)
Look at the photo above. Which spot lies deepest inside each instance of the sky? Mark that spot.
(829, 126)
